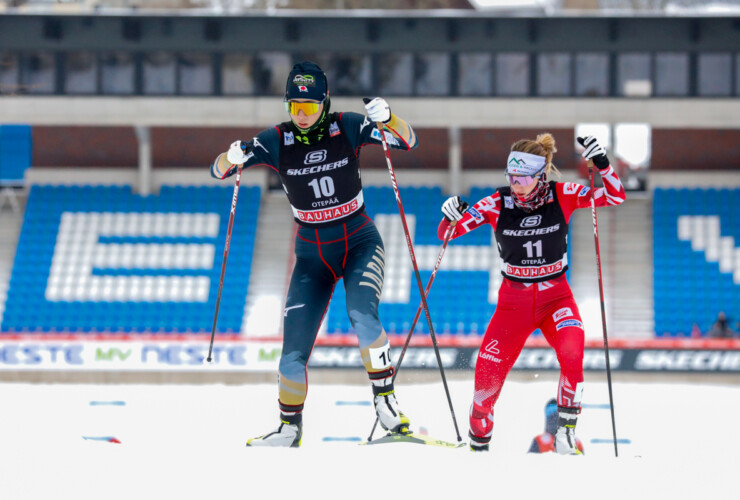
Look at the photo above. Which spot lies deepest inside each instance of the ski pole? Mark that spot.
(448, 236)
(381, 130)
(603, 307)
(226, 255)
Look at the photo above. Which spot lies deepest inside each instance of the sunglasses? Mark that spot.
(522, 180)
(309, 108)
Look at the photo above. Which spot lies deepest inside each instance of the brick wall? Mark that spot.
(193, 147)
(688, 149)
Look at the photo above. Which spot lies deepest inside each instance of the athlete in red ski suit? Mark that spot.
(530, 220)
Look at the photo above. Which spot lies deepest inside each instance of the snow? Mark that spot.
(187, 441)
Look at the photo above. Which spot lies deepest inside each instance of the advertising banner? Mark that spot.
(264, 355)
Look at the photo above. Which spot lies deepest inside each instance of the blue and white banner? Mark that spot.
(103, 259)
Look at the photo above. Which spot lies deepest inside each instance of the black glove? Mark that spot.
(454, 208)
(594, 151)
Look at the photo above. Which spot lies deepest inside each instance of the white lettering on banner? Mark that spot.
(659, 360)
(22, 355)
(346, 357)
(546, 359)
(78, 251)
(328, 214)
(137, 356)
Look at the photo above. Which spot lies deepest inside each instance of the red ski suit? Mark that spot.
(534, 292)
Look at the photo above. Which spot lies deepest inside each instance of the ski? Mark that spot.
(413, 438)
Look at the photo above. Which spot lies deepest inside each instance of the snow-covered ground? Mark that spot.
(180, 441)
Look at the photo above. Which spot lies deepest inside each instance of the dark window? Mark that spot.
(117, 73)
(432, 74)
(237, 74)
(671, 74)
(395, 73)
(195, 71)
(81, 73)
(633, 74)
(592, 74)
(9, 73)
(271, 72)
(715, 74)
(512, 74)
(351, 74)
(37, 70)
(553, 74)
(474, 74)
(159, 73)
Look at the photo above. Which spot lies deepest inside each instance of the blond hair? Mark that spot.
(543, 145)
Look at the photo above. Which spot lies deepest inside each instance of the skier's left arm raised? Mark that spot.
(573, 196)
(398, 134)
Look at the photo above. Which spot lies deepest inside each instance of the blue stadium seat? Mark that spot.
(36, 247)
(682, 275)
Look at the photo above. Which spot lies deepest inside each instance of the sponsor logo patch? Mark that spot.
(533, 272)
(315, 157)
(508, 202)
(584, 191)
(569, 322)
(531, 232)
(489, 351)
(491, 347)
(389, 138)
(531, 221)
(318, 168)
(476, 214)
(334, 129)
(562, 313)
(303, 81)
(288, 139)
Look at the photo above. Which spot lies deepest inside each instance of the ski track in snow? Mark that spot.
(182, 441)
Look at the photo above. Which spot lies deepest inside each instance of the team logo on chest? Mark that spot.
(508, 202)
(289, 139)
(315, 157)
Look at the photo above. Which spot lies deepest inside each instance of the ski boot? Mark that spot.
(481, 427)
(288, 434)
(386, 406)
(479, 443)
(565, 436)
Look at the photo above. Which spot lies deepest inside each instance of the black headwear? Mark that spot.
(308, 81)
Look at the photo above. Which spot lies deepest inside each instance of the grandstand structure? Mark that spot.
(115, 232)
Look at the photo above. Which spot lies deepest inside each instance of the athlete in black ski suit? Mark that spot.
(316, 155)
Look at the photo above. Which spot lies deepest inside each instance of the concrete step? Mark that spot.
(270, 267)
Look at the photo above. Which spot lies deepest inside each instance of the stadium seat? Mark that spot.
(103, 259)
(694, 251)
